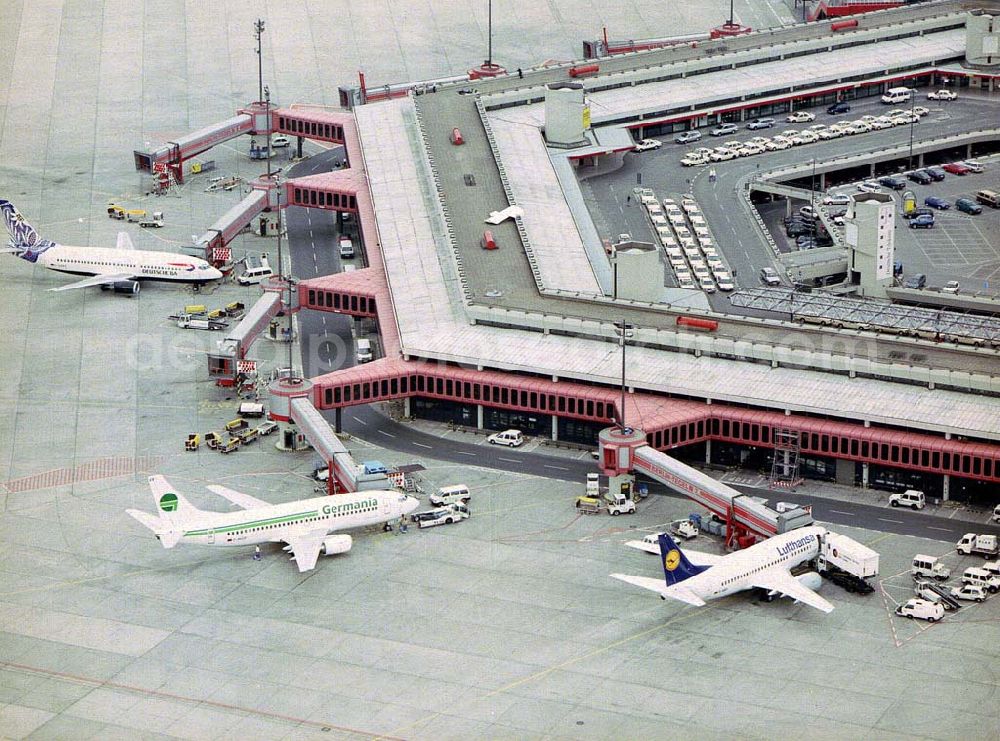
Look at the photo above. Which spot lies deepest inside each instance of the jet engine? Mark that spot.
(336, 544)
(130, 287)
(810, 580)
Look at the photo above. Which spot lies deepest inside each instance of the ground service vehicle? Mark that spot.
(618, 504)
(983, 545)
(257, 270)
(929, 566)
(192, 442)
(921, 609)
(936, 593)
(155, 221)
(212, 439)
(186, 321)
(266, 428)
(680, 528)
(847, 563)
(459, 493)
(981, 578)
(443, 516)
(251, 409)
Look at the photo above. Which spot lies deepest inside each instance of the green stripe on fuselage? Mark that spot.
(254, 524)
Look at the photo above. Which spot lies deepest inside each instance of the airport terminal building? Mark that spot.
(528, 335)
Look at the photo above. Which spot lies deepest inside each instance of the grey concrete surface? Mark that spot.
(505, 626)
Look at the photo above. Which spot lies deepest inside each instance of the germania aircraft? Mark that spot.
(120, 268)
(766, 565)
(304, 525)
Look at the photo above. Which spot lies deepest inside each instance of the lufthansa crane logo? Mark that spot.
(672, 560)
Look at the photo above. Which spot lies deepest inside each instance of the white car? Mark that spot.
(511, 438)
(778, 142)
(942, 95)
(693, 160)
(970, 592)
(800, 117)
(808, 136)
(725, 281)
(279, 140)
(707, 284)
(920, 111)
(973, 165)
(922, 609)
(837, 199)
(869, 186)
(721, 155)
(646, 144)
(951, 286)
(686, 282)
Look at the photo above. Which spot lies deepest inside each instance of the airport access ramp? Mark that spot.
(723, 500)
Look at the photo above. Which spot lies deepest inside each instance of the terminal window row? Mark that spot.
(309, 197)
(347, 302)
(333, 132)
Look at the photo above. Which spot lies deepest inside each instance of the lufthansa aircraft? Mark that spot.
(120, 268)
(766, 565)
(304, 525)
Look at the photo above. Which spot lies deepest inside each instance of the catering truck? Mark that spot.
(847, 563)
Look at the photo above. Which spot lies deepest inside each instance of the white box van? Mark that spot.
(897, 95)
(451, 495)
(909, 498)
(929, 566)
(981, 578)
(512, 438)
(996, 514)
(346, 248)
(921, 608)
(364, 351)
(257, 270)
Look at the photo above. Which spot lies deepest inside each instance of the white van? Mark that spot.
(897, 95)
(929, 566)
(346, 248)
(512, 438)
(257, 270)
(996, 514)
(909, 498)
(981, 578)
(921, 608)
(451, 495)
(364, 351)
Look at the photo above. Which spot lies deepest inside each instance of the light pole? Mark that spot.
(267, 115)
(489, 34)
(912, 119)
(625, 330)
(258, 28)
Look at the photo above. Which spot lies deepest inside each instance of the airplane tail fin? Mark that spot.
(24, 241)
(173, 507)
(676, 567)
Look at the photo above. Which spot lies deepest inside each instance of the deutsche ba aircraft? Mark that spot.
(119, 268)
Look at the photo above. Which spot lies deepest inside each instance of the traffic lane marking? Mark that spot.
(942, 529)
(557, 468)
(421, 445)
(883, 519)
(387, 434)
(841, 512)
(509, 460)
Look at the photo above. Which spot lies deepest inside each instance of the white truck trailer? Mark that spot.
(847, 562)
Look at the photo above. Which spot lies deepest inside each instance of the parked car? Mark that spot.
(723, 129)
(760, 123)
(919, 176)
(915, 281)
(919, 111)
(973, 165)
(936, 173)
(511, 438)
(687, 137)
(890, 181)
(969, 206)
(921, 211)
(956, 168)
(939, 203)
(646, 144)
(837, 199)
(694, 161)
(869, 186)
(841, 107)
(924, 221)
(800, 117)
(942, 95)
(951, 286)
(972, 592)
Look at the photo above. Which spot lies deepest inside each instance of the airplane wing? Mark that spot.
(696, 557)
(240, 500)
(125, 241)
(788, 585)
(94, 280)
(677, 592)
(305, 545)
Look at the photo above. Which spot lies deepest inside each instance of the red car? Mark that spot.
(956, 168)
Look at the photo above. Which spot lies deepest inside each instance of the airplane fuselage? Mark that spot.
(270, 524)
(140, 264)
(736, 574)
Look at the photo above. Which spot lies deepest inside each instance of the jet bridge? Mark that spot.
(747, 518)
(174, 153)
